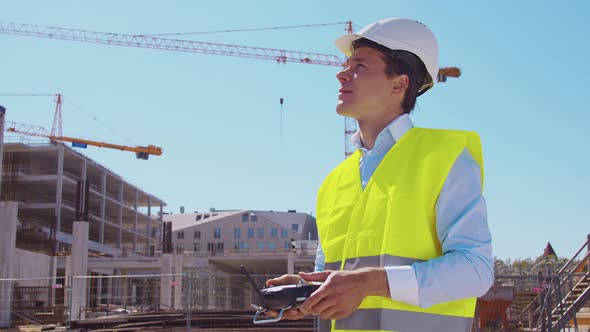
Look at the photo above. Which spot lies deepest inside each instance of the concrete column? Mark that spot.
(53, 280)
(59, 190)
(228, 294)
(133, 295)
(120, 219)
(116, 290)
(98, 290)
(58, 198)
(212, 302)
(290, 262)
(103, 206)
(83, 171)
(149, 223)
(135, 204)
(8, 217)
(124, 293)
(77, 266)
(158, 238)
(178, 286)
(165, 287)
(110, 290)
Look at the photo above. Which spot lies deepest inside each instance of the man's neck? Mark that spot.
(370, 128)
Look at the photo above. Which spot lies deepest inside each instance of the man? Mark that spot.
(404, 240)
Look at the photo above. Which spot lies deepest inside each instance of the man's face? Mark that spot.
(365, 89)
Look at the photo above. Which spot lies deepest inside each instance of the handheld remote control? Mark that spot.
(279, 298)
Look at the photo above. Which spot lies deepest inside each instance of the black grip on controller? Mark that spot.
(279, 297)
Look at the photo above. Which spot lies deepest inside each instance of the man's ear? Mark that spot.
(400, 84)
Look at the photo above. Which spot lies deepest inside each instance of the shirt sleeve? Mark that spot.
(319, 259)
(466, 267)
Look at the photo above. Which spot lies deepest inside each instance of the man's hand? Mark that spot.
(343, 291)
(286, 279)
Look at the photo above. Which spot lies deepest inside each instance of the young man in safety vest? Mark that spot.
(404, 240)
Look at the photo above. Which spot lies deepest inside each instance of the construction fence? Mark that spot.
(214, 301)
(217, 302)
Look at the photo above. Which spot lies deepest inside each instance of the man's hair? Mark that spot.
(399, 62)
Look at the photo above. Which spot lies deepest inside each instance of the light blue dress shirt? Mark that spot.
(466, 267)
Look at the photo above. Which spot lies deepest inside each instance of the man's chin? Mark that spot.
(344, 111)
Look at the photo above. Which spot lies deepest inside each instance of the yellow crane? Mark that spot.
(141, 152)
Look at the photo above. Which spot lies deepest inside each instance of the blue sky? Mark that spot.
(217, 118)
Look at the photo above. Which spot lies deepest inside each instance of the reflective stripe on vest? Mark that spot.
(397, 320)
(372, 261)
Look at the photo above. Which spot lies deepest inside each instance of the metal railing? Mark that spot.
(568, 291)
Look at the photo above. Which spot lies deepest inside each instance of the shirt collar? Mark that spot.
(394, 130)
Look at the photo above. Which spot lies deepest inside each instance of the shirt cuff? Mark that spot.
(403, 286)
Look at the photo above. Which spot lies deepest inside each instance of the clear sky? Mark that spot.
(218, 118)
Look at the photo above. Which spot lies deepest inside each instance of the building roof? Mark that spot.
(185, 220)
(284, 219)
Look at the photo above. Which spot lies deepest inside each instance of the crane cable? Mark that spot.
(240, 30)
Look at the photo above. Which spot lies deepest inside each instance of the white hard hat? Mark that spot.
(400, 34)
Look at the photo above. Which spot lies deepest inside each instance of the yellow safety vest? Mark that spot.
(392, 222)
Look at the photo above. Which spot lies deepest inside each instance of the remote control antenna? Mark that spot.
(243, 268)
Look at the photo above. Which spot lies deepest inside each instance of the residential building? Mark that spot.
(258, 239)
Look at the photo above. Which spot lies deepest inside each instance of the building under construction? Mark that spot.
(55, 185)
(80, 241)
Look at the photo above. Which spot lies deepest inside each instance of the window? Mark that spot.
(210, 247)
(205, 216)
(180, 235)
(271, 245)
(237, 232)
(179, 248)
(197, 234)
(253, 218)
(217, 233)
(287, 244)
(241, 245)
(260, 245)
(260, 233)
(196, 246)
(250, 232)
(274, 232)
(284, 233)
(295, 227)
(245, 217)
(198, 217)
(219, 247)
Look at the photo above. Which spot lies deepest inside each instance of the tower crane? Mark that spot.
(181, 45)
(141, 152)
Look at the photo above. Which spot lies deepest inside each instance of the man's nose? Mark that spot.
(343, 76)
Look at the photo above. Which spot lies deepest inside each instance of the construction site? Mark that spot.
(83, 248)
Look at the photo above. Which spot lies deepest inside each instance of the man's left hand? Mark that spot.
(343, 291)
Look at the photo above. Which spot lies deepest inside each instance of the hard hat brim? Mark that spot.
(344, 43)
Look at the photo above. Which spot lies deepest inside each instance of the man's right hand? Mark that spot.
(286, 279)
